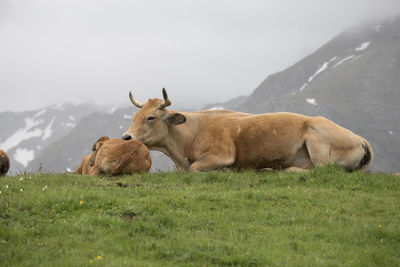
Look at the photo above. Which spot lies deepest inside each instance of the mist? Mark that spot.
(200, 51)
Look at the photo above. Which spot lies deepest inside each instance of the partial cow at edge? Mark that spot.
(4, 163)
(207, 140)
(116, 157)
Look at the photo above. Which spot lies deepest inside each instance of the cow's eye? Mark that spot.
(151, 118)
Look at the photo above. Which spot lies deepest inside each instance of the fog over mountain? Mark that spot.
(201, 51)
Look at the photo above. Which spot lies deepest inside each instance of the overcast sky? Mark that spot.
(202, 51)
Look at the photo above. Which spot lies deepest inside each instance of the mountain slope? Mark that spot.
(24, 135)
(353, 80)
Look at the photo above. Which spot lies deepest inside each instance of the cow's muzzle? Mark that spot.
(126, 137)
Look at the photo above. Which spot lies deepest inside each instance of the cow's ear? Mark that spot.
(94, 146)
(175, 119)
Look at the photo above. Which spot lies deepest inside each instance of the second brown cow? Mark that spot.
(118, 157)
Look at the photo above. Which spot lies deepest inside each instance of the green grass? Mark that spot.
(325, 217)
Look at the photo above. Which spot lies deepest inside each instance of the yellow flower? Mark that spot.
(99, 257)
(80, 202)
(380, 226)
(90, 261)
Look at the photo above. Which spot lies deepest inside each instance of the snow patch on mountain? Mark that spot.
(23, 134)
(321, 69)
(343, 60)
(311, 101)
(48, 131)
(318, 72)
(325, 65)
(362, 46)
(24, 156)
(302, 88)
(39, 113)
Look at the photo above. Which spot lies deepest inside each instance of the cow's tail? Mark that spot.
(368, 155)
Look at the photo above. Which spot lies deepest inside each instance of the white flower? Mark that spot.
(21, 190)
(45, 186)
(22, 178)
(30, 177)
(0, 192)
(6, 186)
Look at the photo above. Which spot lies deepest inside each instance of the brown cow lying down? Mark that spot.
(217, 139)
(116, 157)
(4, 163)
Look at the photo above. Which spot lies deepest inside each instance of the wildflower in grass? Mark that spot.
(30, 177)
(380, 226)
(80, 202)
(21, 190)
(0, 192)
(99, 257)
(7, 186)
(90, 261)
(22, 178)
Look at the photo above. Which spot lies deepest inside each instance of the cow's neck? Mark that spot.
(179, 160)
(178, 143)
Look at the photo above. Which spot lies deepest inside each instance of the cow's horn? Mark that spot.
(166, 101)
(134, 101)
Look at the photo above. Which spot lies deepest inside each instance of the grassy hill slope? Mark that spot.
(322, 218)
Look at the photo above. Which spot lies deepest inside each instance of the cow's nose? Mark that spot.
(126, 137)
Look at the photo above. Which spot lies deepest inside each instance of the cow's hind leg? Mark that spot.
(333, 144)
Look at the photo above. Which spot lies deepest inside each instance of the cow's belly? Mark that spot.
(271, 152)
(261, 162)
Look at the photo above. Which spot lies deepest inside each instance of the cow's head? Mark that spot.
(95, 148)
(152, 121)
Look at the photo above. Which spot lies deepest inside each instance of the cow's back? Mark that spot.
(117, 156)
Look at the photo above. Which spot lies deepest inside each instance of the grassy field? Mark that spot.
(322, 218)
